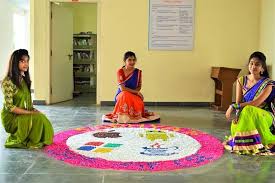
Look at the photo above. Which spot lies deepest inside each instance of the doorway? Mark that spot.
(73, 51)
(14, 31)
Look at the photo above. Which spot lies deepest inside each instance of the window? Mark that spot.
(21, 29)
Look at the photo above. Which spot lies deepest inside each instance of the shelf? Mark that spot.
(82, 82)
(82, 49)
(82, 74)
(84, 61)
(82, 35)
(76, 93)
(84, 86)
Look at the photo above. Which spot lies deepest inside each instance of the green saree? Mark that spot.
(254, 132)
(25, 131)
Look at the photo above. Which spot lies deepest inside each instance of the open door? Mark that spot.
(61, 53)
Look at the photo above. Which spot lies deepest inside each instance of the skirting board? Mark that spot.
(39, 102)
(178, 104)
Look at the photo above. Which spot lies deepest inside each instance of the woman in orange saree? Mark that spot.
(129, 107)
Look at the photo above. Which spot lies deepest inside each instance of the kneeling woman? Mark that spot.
(27, 127)
(129, 106)
(252, 132)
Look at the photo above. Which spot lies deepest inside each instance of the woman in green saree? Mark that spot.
(252, 131)
(27, 127)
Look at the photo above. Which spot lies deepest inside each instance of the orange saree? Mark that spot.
(129, 107)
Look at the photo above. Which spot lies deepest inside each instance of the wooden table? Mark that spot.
(224, 78)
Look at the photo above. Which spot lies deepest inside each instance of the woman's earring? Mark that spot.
(262, 72)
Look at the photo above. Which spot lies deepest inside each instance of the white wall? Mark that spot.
(222, 38)
(85, 17)
(6, 35)
(267, 33)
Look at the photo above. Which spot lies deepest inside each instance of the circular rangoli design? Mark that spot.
(136, 147)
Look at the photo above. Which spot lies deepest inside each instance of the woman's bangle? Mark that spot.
(237, 112)
(236, 106)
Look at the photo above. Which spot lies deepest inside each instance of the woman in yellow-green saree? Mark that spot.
(26, 126)
(253, 129)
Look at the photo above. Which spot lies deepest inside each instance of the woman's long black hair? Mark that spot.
(261, 57)
(129, 54)
(13, 71)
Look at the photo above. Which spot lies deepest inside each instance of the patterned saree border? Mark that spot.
(250, 147)
(248, 133)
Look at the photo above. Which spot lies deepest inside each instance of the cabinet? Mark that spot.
(224, 78)
(84, 62)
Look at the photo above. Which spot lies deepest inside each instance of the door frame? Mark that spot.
(98, 26)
